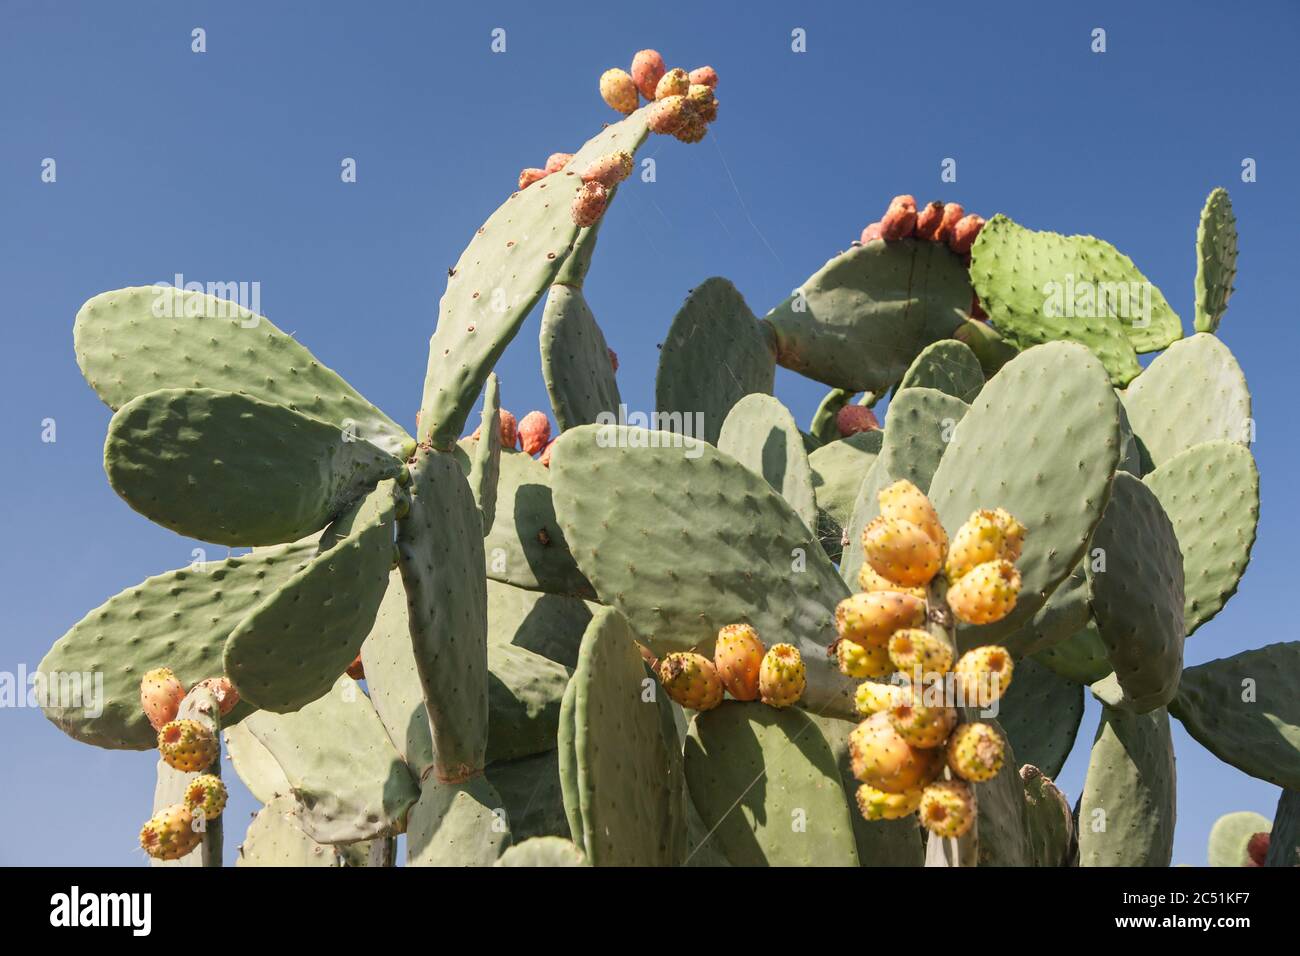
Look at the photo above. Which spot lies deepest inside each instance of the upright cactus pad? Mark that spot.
(947, 366)
(485, 463)
(1216, 260)
(576, 363)
(761, 434)
(1041, 713)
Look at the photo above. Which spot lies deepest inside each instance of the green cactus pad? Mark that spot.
(838, 470)
(512, 259)
(1047, 820)
(199, 705)
(760, 433)
(1130, 454)
(1062, 615)
(1025, 281)
(566, 746)
(551, 625)
(1080, 658)
(485, 463)
(1284, 840)
(767, 785)
(859, 321)
(524, 693)
(1195, 392)
(1216, 260)
(1127, 811)
(1211, 493)
(234, 470)
(947, 366)
(623, 766)
(440, 550)
(684, 545)
(1244, 710)
(1042, 441)
(254, 764)
(179, 619)
(349, 781)
(289, 650)
(1137, 601)
(543, 851)
(133, 341)
(531, 795)
(576, 365)
(1040, 714)
(456, 824)
(824, 426)
(1230, 835)
(992, 350)
(918, 429)
(274, 838)
(715, 354)
(1004, 838)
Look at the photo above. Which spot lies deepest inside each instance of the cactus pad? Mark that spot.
(254, 764)
(456, 824)
(524, 694)
(947, 366)
(761, 434)
(1047, 819)
(1284, 839)
(543, 851)
(1080, 658)
(838, 470)
(274, 838)
(485, 461)
(575, 360)
(1040, 714)
(1216, 260)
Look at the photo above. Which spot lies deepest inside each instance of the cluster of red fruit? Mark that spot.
(684, 103)
(937, 222)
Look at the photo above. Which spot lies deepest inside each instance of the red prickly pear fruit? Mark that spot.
(1257, 849)
(899, 220)
(589, 204)
(557, 161)
(705, 76)
(782, 676)
(356, 670)
(546, 454)
(531, 175)
(509, 430)
(206, 796)
(609, 170)
(738, 657)
(668, 115)
(852, 419)
(188, 746)
(952, 214)
(964, 233)
(534, 432)
(224, 691)
(676, 82)
(647, 70)
(705, 103)
(618, 90)
(976, 310)
(613, 358)
(160, 696)
(691, 680)
(871, 233)
(947, 808)
(170, 833)
(929, 221)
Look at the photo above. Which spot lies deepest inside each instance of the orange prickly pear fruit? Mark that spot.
(876, 804)
(929, 220)
(588, 206)
(899, 220)
(984, 674)
(531, 175)
(901, 551)
(609, 170)
(919, 723)
(872, 232)
(947, 808)
(676, 82)
(913, 649)
(534, 432)
(883, 758)
(870, 618)
(782, 676)
(705, 103)
(557, 161)
(985, 536)
(964, 234)
(873, 698)
(704, 76)
(691, 680)
(976, 752)
(206, 795)
(738, 657)
(224, 691)
(862, 660)
(985, 594)
(952, 214)
(161, 694)
(170, 833)
(647, 69)
(870, 580)
(904, 500)
(357, 669)
(669, 114)
(188, 746)
(618, 90)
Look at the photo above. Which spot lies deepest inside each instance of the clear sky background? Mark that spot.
(225, 166)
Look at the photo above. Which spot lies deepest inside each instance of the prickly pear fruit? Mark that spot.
(871, 233)
(878, 805)
(676, 82)
(976, 751)
(669, 115)
(881, 757)
(546, 453)
(782, 676)
(531, 175)
(224, 691)
(912, 650)
(1257, 848)
(983, 674)
(899, 220)
(161, 694)
(852, 419)
(188, 746)
(964, 233)
(609, 170)
(357, 669)
(873, 698)
(613, 358)
(947, 808)
(871, 617)
(705, 103)
(170, 833)
(704, 76)
(901, 551)
(862, 660)
(738, 656)
(206, 795)
(870, 580)
(952, 214)
(929, 220)
(919, 722)
(647, 69)
(691, 680)
(985, 536)
(589, 204)
(534, 432)
(986, 593)
(693, 127)
(618, 90)
(557, 161)
(904, 500)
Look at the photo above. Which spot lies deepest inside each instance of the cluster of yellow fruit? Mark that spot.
(685, 103)
(897, 627)
(740, 666)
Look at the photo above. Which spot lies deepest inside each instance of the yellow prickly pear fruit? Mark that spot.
(161, 693)
(188, 746)
(918, 722)
(872, 698)
(170, 833)
(206, 794)
(947, 808)
(782, 676)
(738, 656)
(975, 752)
(904, 500)
(691, 680)
(986, 593)
(986, 536)
(705, 103)
(913, 649)
(862, 660)
(878, 805)
(881, 757)
(618, 90)
(869, 580)
(901, 551)
(983, 674)
(676, 82)
(870, 618)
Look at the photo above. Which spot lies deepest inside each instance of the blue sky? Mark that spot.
(225, 166)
